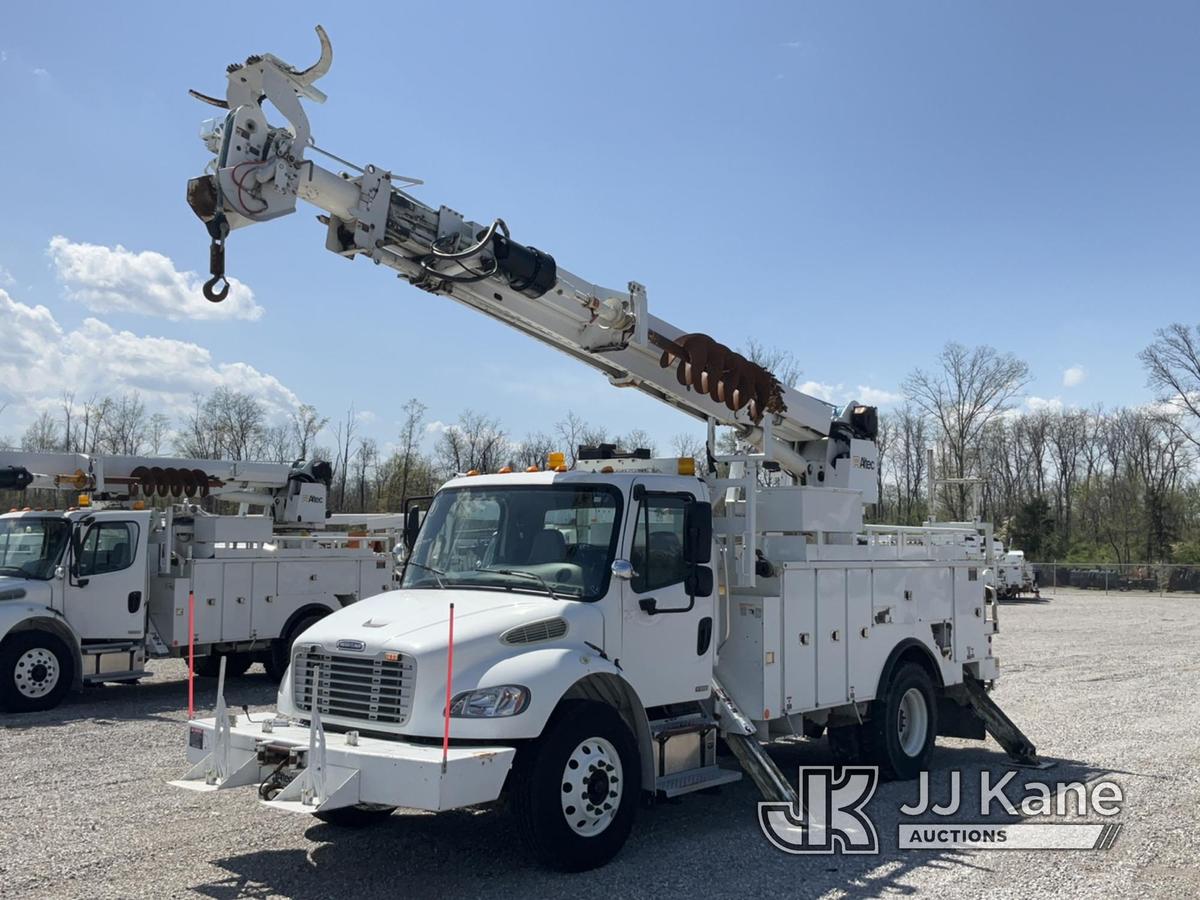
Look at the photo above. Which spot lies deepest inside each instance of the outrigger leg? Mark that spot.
(1018, 747)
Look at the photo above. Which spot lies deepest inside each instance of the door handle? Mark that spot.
(135, 601)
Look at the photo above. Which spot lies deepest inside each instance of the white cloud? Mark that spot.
(113, 279)
(1073, 376)
(3, 56)
(437, 427)
(39, 72)
(39, 360)
(1037, 404)
(6, 278)
(839, 393)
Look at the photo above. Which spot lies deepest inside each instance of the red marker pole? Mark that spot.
(191, 654)
(449, 677)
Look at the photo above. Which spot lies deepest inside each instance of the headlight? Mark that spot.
(487, 703)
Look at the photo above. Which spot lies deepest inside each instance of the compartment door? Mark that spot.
(235, 612)
(798, 639)
(831, 637)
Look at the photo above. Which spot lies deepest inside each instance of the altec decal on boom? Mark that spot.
(613, 618)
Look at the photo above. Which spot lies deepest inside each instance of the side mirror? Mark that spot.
(698, 534)
(699, 582)
(622, 570)
(412, 525)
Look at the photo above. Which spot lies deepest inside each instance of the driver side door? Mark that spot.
(105, 594)
(666, 640)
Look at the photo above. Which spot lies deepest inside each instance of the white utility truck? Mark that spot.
(1014, 576)
(577, 639)
(88, 594)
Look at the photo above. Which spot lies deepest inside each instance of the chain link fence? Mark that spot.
(1152, 578)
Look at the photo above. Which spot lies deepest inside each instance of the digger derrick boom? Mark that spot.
(260, 170)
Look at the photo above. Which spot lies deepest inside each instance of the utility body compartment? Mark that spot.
(824, 640)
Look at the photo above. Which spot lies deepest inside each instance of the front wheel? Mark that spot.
(900, 733)
(36, 671)
(575, 790)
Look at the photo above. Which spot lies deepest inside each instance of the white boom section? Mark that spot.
(260, 170)
(292, 494)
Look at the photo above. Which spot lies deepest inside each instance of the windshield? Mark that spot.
(30, 548)
(500, 537)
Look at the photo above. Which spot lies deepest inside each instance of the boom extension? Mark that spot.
(260, 170)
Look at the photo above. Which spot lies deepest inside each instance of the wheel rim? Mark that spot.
(592, 786)
(912, 722)
(36, 673)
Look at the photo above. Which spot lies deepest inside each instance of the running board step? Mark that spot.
(695, 780)
(1018, 747)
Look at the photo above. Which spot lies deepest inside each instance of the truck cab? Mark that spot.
(72, 601)
(552, 576)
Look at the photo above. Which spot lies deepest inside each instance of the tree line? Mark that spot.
(229, 424)
(1107, 485)
(1062, 484)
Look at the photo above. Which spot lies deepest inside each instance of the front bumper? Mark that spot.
(338, 770)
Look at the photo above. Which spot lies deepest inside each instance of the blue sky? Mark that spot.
(855, 182)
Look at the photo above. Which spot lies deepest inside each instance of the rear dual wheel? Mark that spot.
(900, 730)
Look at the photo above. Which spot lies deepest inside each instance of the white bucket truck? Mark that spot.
(88, 594)
(577, 639)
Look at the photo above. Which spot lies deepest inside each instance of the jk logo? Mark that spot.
(830, 818)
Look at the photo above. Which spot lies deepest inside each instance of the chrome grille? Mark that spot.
(375, 688)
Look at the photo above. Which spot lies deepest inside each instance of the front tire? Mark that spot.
(575, 790)
(36, 671)
(900, 733)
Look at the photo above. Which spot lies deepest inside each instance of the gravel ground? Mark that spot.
(1106, 685)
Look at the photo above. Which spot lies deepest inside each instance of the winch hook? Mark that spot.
(216, 288)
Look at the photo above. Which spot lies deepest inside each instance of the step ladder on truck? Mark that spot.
(137, 569)
(577, 638)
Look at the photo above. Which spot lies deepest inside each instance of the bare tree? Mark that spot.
(124, 430)
(1172, 364)
(306, 423)
(411, 432)
(780, 363)
(157, 431)
(686, 444)
(637, 439)
(344, 436)
(970, 389)
(365, 459)
(42, 434)
(476, 442)
(533, 450)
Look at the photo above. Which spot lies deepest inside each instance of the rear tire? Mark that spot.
(356, 816)
(845, 743)
(235, 664)
(36, 671)
(575, 790)
(902, 728)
